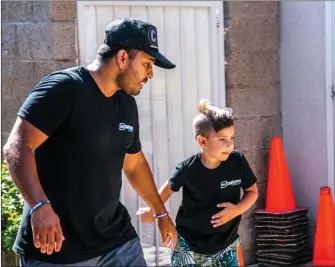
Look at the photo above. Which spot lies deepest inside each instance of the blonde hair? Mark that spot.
(211, 118)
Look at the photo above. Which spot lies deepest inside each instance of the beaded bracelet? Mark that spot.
(161, 215)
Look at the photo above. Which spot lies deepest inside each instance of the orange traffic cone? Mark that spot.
(271, 231)
(280, 196)
(324, 242)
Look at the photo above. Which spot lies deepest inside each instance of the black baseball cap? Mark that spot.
(136, 34)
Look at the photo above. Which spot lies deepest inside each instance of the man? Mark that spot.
(74, 134)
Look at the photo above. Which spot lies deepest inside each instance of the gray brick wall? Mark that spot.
(253, 91)
(37, 37)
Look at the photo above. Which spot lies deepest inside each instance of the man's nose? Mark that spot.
(150, 74)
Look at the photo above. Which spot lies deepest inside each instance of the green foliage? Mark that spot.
(11, 209)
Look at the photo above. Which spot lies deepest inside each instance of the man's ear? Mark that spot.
(122, 59)
(201, 141)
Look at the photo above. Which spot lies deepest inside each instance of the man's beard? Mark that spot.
(125, 79)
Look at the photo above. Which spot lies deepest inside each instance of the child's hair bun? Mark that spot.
(203, 105)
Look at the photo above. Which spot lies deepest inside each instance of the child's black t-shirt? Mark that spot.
(203, 190)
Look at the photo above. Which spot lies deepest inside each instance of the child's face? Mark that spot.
(219, 145)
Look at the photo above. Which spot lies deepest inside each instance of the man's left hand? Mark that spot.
(224, 216)
(168, 231)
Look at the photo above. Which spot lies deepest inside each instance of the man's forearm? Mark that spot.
(142, 181)
(22, 168)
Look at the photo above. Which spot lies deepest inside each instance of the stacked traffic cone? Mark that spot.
(324, 240)
(282, 229)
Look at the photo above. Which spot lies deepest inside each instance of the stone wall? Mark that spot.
(38, 37)
(251, 44)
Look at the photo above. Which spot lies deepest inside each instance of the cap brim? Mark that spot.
(161, 61)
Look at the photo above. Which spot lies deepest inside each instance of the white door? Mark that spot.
(190, 34)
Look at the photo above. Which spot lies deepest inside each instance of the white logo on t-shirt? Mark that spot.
(125, 127)
(225, 184)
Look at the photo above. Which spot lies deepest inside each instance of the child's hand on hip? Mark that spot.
(229, 212)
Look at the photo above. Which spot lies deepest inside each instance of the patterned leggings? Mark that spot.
(184, 256)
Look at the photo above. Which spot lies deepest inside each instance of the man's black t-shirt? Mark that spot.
(203, 190)
(80, 164)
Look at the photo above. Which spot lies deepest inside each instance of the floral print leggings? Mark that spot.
(230, 256)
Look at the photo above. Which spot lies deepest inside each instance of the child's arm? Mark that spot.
(249, 198)
(231, 211)
(165, 192)
(147, 214)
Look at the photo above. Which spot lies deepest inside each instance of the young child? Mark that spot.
(211, 208)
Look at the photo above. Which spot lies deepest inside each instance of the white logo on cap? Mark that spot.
(152, 34)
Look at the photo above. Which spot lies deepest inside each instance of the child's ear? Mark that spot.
(201, 141)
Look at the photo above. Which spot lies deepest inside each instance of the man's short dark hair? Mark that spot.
(105, 52)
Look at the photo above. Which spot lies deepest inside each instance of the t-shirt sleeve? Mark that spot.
(49, 103)
(248, 177)
(135, 146)
(178, 178)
